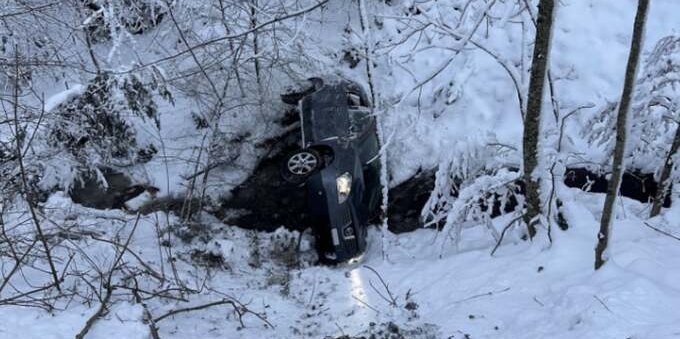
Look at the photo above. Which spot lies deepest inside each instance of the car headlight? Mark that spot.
(344, 186)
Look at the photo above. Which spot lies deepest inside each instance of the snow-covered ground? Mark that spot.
(526, 290)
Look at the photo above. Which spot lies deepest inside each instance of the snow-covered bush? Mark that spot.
(108, 124)
(654, 114)
(656, 111)
(472, 184)
(106, 18)
(98, 126)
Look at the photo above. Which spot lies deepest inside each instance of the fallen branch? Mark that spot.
(662, 232)
(101, 311)
(18, 262)
(505, 229)
(146, 266)
(103, 307)
(366, 304)
(490, 293)
(390, 299)
(28, 10)
(603, 304)
(15, 298)
(148, 318)
(538, 302)
(239, 309)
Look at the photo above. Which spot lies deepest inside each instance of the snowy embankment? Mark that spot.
(268, 290)
(526, 290)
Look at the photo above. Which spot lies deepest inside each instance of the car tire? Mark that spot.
(300, 165)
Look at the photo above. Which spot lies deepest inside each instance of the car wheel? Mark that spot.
(299, 165)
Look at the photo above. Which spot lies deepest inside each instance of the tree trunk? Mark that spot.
(532, 120)
(621, 126)
(665, 182)
(256, 56)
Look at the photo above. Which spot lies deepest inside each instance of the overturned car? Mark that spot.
(337, 164)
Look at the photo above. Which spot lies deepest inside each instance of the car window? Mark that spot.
(369, 147)
(359, 120)
(354, 100)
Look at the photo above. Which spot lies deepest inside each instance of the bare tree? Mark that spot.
(621, 126)
(532, 119)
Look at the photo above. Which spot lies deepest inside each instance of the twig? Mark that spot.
(17, 265)
(366, 304)
(538, 302)
(237, 35)
(151, 271)
(109, 287)
(100, 312)
(342, 333)
(505, 229)
(391, 300)
(164, 294)
(14, 298)
(311, 297)
(553, 191)
(602, 303)
(662, 232)
(148, 318)
(239, 309)
(24, 180)
(28, 10)
(490, 293)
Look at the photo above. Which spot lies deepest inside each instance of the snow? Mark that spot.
(63, 97)
(526, 290)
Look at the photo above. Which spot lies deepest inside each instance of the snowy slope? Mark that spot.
(526, 290)
(589, 50)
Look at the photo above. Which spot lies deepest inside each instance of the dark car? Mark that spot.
(338, 163)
